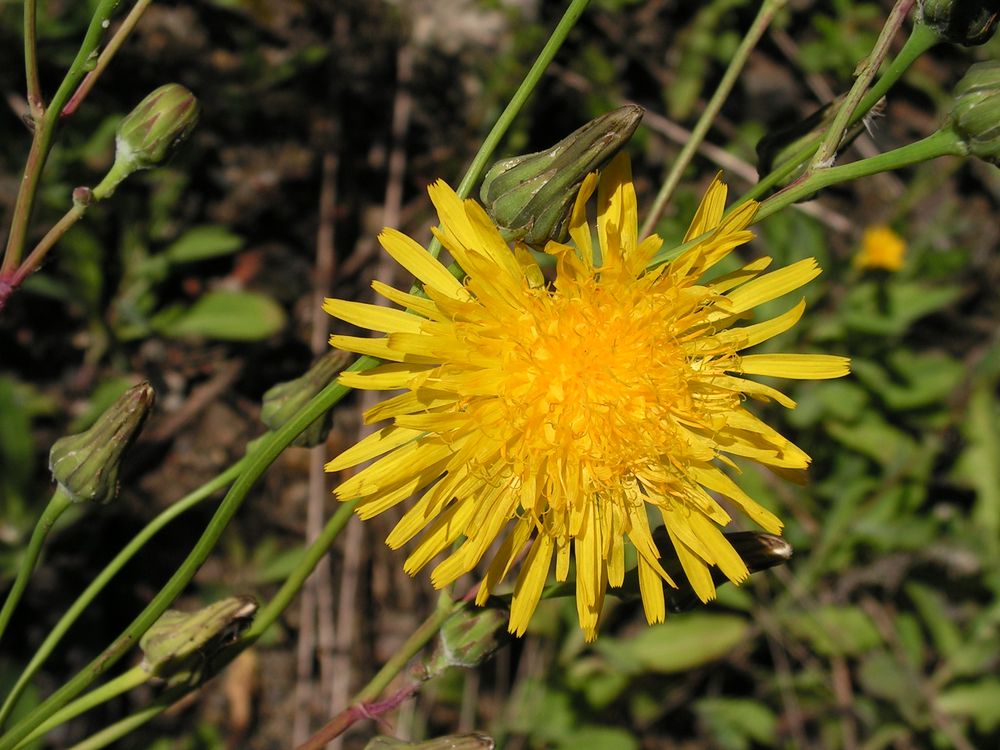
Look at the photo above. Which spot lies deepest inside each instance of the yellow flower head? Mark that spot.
(881, 248)
(552, 417)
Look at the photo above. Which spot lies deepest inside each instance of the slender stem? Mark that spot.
(34, 87)
(921, 39)
(269, 448)
(361, 704)
(831, 141)
(110, 570)
(293, 584)
(941, 143)
(36, 256)
(59, 502)
(264, 619)
(41, 143)
(109, 51)
(120, 684)
(516, 104)
(119, 729)
(764, 17)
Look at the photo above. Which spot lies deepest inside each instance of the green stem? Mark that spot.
(764, 17)
(59, 502)
(413, 645)
(293, 584)
(34, 86)
(921, 39)
(41, 143)
(36, 256)
(481, 160)
(110, 570)
(942, 143)
(827, 151)
(109, 51)
(119, 729)
(120, 684)
(264, 619)
(268, 449)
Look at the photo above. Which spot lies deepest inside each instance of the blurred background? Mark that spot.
(321, 123)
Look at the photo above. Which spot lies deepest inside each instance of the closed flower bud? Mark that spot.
(965, 22)
(150, 133)
(180, 644)
(474, 741)
(530, 197)
(976, 117)
(468, 638)
(285, 400)
(87, 465)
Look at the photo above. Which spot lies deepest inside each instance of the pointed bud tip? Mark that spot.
(530, 197)
(151, 132)
(86, 466)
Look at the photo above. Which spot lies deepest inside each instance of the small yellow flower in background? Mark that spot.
(881, 248)
(552, 417)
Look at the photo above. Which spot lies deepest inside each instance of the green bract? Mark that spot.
(87, 465)
(965, 22)
(285, 400)
(530, 197)
(179, 644)
(976, 116)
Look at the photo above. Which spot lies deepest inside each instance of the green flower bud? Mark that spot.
(965, 22)
(285, 400)
(474, 741)
(468, 638)
(150, 133)
(180, 644)
(87, 465)
(531, 197)
(976, 117)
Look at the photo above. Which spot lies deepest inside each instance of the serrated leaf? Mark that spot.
(201, 243)
(681, 643)
(229, 316)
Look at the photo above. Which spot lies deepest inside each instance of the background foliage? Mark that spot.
(883, 631)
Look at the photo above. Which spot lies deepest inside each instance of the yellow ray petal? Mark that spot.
(445, 529)
(651, 590)
(504, 558)
(695, 569)
(420, 305)
(379, 442)
(530, 581)
(379, 348)
(723, 554)
(798, 366)
(710, 210)
(372, 317)
(773, 285)
(388, 377)
(747, 336)
(421, 263)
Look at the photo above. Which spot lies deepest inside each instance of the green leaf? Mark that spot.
(979, 701)
(230, 316)
(835, 631)
(201, 243)
(933, 609)
(914, 381)
(890, 309)
(679, 644)
(737, 723)
(884, 677)
(872, 436)
(599, 738)
(979, 464)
